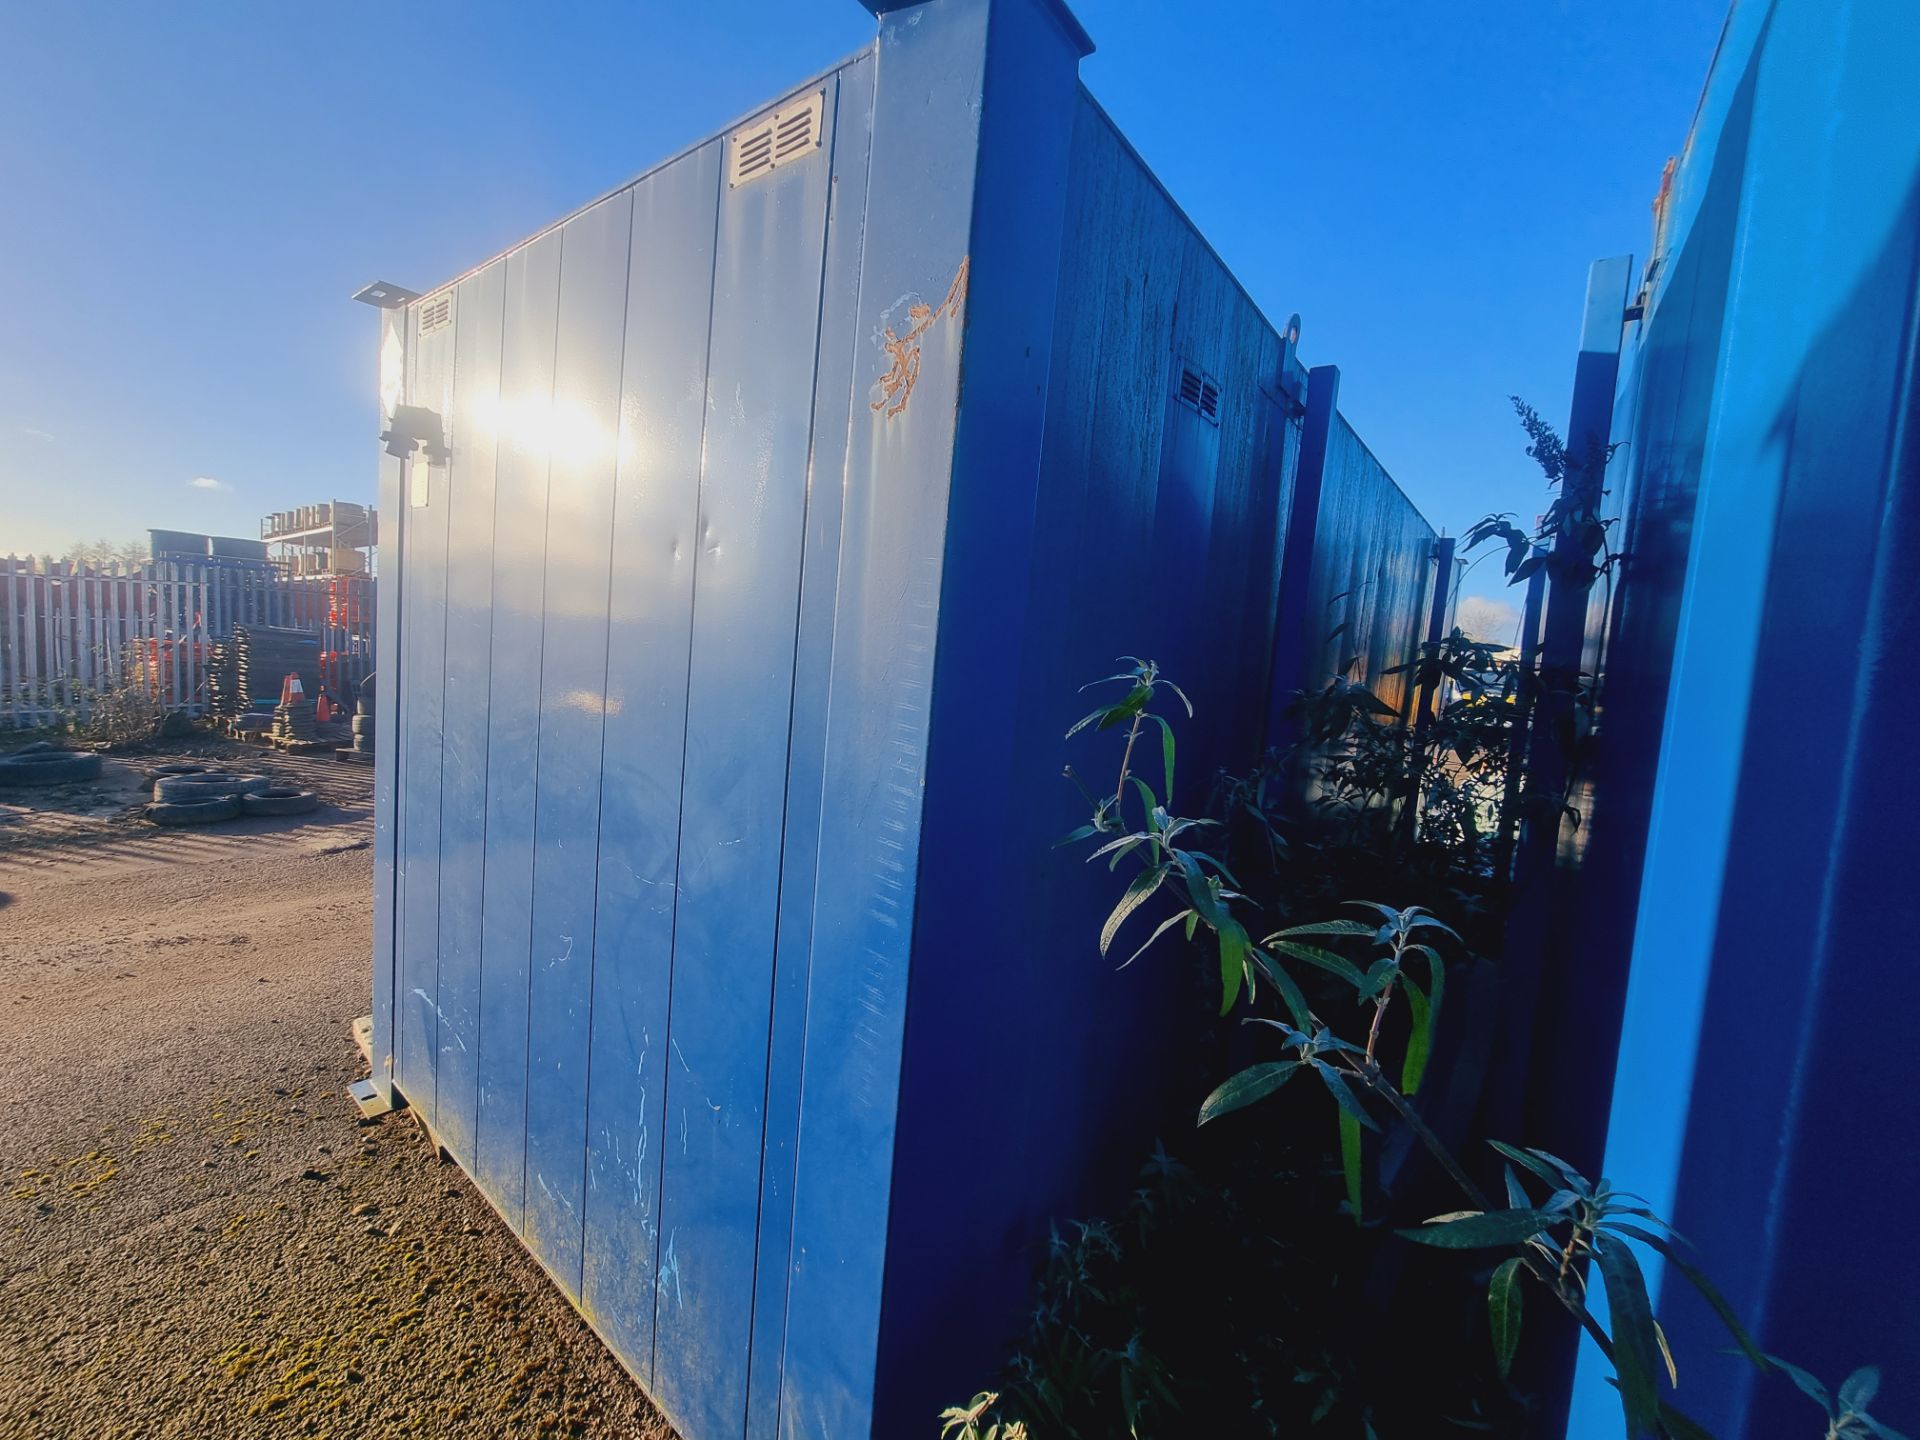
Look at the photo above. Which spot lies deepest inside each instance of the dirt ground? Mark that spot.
(202, 1238)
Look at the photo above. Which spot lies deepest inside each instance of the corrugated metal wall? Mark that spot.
(597, 671)
(738, 640)
(1156, 530)
(1372, 573)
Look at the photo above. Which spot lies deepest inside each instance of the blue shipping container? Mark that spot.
(771, 510)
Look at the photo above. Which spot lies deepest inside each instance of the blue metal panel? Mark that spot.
(650, 608)
(473, 437)
(1766, 1023)
(513, 716)
(746, 574)
(423, 533)
(583, 428)
(834, 403)
(900, 455)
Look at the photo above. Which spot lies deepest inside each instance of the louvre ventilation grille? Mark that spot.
(1202, 392)
(436, 312)
(789, 134)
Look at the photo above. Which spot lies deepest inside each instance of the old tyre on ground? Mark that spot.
(279, 800)
(194, 812)
(187, 788)
(175, 767)
(49, 767)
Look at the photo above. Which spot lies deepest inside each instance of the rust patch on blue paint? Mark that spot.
(896, 386)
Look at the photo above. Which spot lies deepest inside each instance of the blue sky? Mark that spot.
(193, 191)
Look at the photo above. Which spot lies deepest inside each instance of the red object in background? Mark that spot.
(322, 707)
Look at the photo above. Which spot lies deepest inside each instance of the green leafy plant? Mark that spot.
(1572, 537)
(1221, 1300)
(1845, 1406)
(1203, 881)
(978, 1420)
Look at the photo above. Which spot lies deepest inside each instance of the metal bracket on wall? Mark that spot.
(365, 1094)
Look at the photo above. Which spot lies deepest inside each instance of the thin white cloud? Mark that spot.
(207, 482)
(32, 433)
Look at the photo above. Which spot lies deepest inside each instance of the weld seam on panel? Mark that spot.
(679, 826)
(786, 793)
(539, 690)
(486, 756)
(826, 731)
(600, 790)
(440, 784)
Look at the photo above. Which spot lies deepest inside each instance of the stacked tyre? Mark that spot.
(41, 764)
(362, 722)
(201, 798)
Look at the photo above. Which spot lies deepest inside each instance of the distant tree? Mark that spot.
(1495, 622)
(105, 552)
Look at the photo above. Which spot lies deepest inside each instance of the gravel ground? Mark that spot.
(203, 1238)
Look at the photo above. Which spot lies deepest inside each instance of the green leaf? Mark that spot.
(1379, 976)
(1343, 1096)
(1880, 1429)
(1136, 895)
(1634, 1344)
(1084, 721)
(1682, 1427)
(1166, 750)
(1290, 995)
(1325, 927)
(1199, 892)
(1437, 975)
(1181, 693)
(1503, 1312)
(1392, 916)
(1078, 835)
(1483, 1230)
(1858, 1389)
(1555, 1172)
(1350, 1159)
(1123, 842)
(1233, 961)
(1123, 710)
(1701, 1283)
(1256, 1082)
(1419, 1043)
(1324, 959)
(1517, 1197)
(1428, 922)
(1159, 930)
(1809, 1386)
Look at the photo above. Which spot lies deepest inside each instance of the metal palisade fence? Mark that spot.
(70, 632)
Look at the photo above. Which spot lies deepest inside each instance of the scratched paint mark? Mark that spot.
(561, 1200)
(428, 1000)
(670, 1271)
(903, 351)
